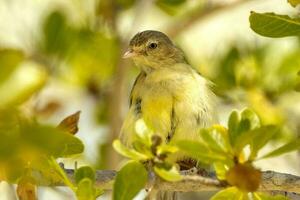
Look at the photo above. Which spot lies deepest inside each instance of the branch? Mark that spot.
(186, 22)
(271, 181)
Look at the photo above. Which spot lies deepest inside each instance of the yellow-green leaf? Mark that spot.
(262, 196)
(129, 153)
(129, 181)
(171, 174)
(289, 147)
(274, 25)
(86, 190)
(200, 151)
(231, 193)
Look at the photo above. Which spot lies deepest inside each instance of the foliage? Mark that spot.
(123, 188)
(85, 52)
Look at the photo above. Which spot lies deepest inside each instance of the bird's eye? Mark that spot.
(152, 45)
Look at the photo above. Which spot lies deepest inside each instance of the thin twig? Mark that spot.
(183, 24)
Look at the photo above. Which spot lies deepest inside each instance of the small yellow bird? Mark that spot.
(172, 98)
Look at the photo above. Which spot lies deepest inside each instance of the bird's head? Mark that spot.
(151, 50)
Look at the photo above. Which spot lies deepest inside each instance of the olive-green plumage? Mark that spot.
(169, 95)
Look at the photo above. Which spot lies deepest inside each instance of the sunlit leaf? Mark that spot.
(289, 147)
(231, 193)
(262, 196)
(70, 123)
(129, 181)
(165, 149)
(130, 153)
(199, 151)
(274, 25)
(171, 174)
(221, 170)
(217, 139)
(22, 84)
(86, 190)
(9, 61)
(256, 138)
(260, 137)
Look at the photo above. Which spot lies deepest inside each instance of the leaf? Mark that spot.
(262, 196)
(233, 123)
(86, 190)
(166, 149)
(171, 174)
(199, 151)
(50, 140)
(171, 7)
(216, 138)
(294, 3)
(256, 138)
(129, 153)
(274, 25)
(22, 84)
(26, 189)
(221, 170)
(231, 193)
(289, 147)
(129, 181)
(261, 137)
(9, 61)
(84, 172)
(70, 123)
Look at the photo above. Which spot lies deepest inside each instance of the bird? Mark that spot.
(173, 99)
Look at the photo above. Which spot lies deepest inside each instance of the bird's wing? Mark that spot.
(136, 86)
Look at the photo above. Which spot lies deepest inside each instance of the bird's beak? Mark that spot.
(129, 54)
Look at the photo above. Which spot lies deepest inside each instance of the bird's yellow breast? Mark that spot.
(169, 97)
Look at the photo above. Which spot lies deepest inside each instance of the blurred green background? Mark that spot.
(58, 57)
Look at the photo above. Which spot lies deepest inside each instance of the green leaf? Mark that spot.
(289, 147)
(22, 84)
(171, 174)
(231, 193)
(129, 181)
(261, 137)
(86, 190)
(294, 2)
(129, 153)
(239, 126)
(233, 124)
(166, 149)
(256, 138)
(84, 172)
(221, 170)
(217, 139)
(9, 61)
(58, 36)
(262, 196)
(274, 25)
(51, 141)
(199, 151)
(171, 7)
